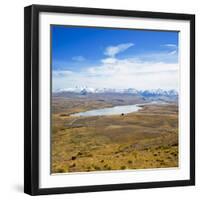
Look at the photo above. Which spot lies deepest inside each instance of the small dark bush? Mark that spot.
(60, 170)
(63, 115)
(79, 154)
(123, 167)
(97, 168)
(73, 157)
(73, 165)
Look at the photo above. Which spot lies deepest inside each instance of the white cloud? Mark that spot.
(166, 57)
(173, 52)
(141, 72)
(123, 73)
(111, 51)
(128, 67)
(61, 73)
(78, 58)
(170, 45)
(109, 60)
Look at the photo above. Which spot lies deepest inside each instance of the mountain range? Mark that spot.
(144, 93)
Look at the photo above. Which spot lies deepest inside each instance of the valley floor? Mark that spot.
(144, 139)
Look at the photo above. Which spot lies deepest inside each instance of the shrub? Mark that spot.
(73, 165)
(123, 167)
(60, 170)
(97, 168)
(73, 157)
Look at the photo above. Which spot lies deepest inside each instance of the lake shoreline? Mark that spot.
(115, 110)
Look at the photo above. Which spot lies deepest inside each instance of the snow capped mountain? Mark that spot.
(112, 90)
(76, 90)
(159, 92)
(145, 93)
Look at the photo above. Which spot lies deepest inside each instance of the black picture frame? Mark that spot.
(31, 98)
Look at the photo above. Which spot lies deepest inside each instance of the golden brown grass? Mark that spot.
(146, 139)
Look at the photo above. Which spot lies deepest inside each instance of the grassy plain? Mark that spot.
(144, 139)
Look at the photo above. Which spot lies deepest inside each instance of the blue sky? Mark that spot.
(104, 57)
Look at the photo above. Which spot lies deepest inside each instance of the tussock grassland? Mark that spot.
(144, 139)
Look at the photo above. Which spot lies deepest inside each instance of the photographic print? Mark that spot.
(109, 100)
(114, 99)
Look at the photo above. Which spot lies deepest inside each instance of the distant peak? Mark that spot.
(150, 92)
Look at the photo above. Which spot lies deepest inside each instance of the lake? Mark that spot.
(117, 110)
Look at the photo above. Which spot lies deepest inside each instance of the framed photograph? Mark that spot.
(109, 99)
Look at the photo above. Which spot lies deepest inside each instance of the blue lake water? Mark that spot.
(117, 110)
